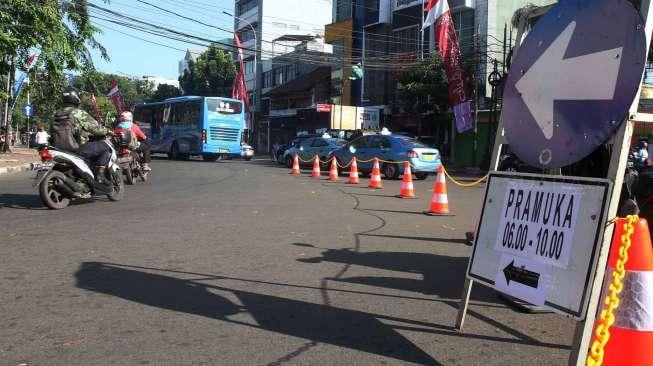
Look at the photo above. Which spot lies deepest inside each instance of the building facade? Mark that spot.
(261, 23)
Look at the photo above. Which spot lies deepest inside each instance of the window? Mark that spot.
(319, 143)
(247, 34)
(343, 10)
(217, 105)
(360, 142)
(245, 6)
(380, 142)
(406, 40)
(293, 26)
(267, 79)
(464, 25)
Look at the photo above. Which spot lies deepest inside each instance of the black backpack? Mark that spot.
(64, 132)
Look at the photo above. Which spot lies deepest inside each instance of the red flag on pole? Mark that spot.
(440, 15)
(239, 88)
(116, 97)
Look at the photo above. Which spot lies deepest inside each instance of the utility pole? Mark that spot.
(28, 103)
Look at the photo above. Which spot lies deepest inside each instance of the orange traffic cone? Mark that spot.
(333, 172)
(407, 190)
(631, 334)
(295, 166)
(353, 172)
(439, 200)
(375, 177)
(316, 168)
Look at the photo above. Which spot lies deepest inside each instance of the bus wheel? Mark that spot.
(175, 154)
(210, 157)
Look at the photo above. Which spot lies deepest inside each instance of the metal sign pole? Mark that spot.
(618, 161)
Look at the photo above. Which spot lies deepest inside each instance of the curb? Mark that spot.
(16, 169)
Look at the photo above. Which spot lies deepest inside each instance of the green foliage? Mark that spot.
(61, 30)
(165, 91)
(425, 88)
(46, 96)
(212, 74)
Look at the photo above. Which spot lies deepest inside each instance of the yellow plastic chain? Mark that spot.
(467, 185)
(602, 334)
(324, 162)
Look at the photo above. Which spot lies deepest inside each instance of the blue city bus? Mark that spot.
(211, 127)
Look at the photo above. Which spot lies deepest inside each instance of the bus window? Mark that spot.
(217, 105)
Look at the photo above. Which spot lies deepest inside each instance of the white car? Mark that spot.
(246, 151)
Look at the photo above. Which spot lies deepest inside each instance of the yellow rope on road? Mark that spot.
(466, 185)
(602, 334)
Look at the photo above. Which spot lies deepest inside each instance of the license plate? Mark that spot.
(223, 150)
(428, 157)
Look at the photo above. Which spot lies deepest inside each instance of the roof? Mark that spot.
(302, 82)
(295, 37)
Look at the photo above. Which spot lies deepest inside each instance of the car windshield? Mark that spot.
(409, 142)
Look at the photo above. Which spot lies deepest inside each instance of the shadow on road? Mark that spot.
(21, 201)
(318, 323)
(441, 275)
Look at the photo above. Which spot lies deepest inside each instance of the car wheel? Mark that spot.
(391, 171)
(289, 162)
(421, 176)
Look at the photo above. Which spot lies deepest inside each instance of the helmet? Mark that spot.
(126, 116)
(71, 96)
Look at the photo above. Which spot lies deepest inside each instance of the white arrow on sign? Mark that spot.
(588, 77)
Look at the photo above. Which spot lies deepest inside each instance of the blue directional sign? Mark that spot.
(28, 110)
(573, 80)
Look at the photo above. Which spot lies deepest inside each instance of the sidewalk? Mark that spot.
(18, 160)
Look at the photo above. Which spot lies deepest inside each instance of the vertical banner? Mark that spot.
(116, 97)
(239, 88)
(96, 110)
(440, 16)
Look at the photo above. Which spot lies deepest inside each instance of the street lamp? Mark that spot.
(255, 55)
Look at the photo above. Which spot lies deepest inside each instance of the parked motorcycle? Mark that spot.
(130, 161)
(64, 176)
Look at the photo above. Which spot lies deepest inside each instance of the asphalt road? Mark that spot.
(238, 263)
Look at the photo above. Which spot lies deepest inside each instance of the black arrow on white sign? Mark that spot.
(521, 275)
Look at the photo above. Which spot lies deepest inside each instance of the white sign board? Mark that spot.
(538, 238)
(368, 117)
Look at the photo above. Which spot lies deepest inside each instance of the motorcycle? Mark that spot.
(130, 161)
(63, 176)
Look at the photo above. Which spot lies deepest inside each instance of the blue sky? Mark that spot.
(133, 56)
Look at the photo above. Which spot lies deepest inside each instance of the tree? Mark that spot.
(212, 74)
(424, 88)
(61, 31)
(165, 91)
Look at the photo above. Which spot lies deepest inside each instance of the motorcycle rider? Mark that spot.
(641, 155)
(98, 153)
(126, 122)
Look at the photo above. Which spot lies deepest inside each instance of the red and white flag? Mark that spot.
(116, 97)
(239, 88)
(439, 15)
(31, 60)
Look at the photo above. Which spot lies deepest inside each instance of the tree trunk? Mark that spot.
(6, 148)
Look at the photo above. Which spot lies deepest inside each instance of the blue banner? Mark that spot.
(18, 86)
